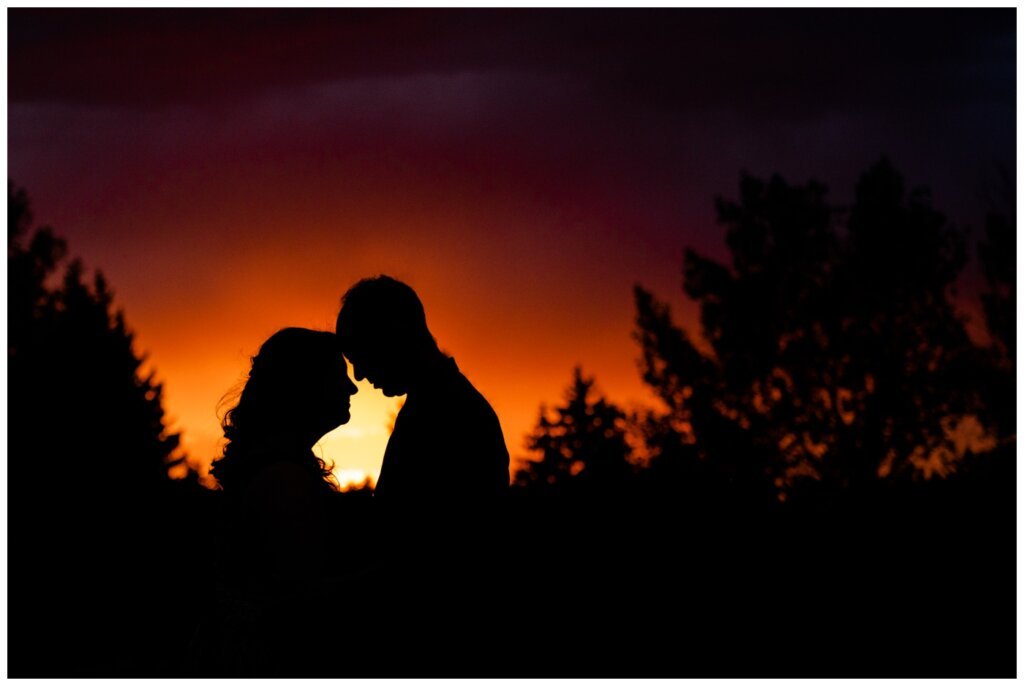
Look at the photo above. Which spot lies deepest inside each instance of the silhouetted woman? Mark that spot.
(273, 564)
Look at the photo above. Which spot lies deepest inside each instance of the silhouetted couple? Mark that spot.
(447, 441)
(278, 552)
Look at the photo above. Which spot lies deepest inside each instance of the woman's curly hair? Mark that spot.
(269, 408)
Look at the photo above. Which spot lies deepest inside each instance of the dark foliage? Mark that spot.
(998, 253)
(76, 377)
(837, 364)
(582, 446)
(832, 459)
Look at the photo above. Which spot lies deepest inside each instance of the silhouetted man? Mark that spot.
(447, 440)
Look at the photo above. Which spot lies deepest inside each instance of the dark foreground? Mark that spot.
(921, 584)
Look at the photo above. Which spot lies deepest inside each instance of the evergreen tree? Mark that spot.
(582, 444)
(80, 403)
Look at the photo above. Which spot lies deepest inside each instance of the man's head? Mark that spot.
(383, 332)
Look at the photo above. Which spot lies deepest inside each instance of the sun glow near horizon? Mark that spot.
(355, 449)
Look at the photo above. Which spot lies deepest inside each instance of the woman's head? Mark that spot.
(297, 390)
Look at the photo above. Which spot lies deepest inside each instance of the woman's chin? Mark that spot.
(328, 427)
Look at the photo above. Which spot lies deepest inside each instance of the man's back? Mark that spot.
(447, 442)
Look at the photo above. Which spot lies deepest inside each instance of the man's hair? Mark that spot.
(381, 306)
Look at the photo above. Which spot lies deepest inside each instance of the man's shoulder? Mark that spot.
(468, 399)
(450, 391)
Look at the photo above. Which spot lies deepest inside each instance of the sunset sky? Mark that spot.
(232, 172)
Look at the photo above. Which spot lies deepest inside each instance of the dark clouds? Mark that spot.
(783, 61)
(640, 89)
(642, 115)
(657, 99)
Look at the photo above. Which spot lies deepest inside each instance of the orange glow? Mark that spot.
(516, 335)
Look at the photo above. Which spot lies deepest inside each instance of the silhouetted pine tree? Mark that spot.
(79, 401)
(582, 445)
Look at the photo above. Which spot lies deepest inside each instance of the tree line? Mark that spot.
(830, 360)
